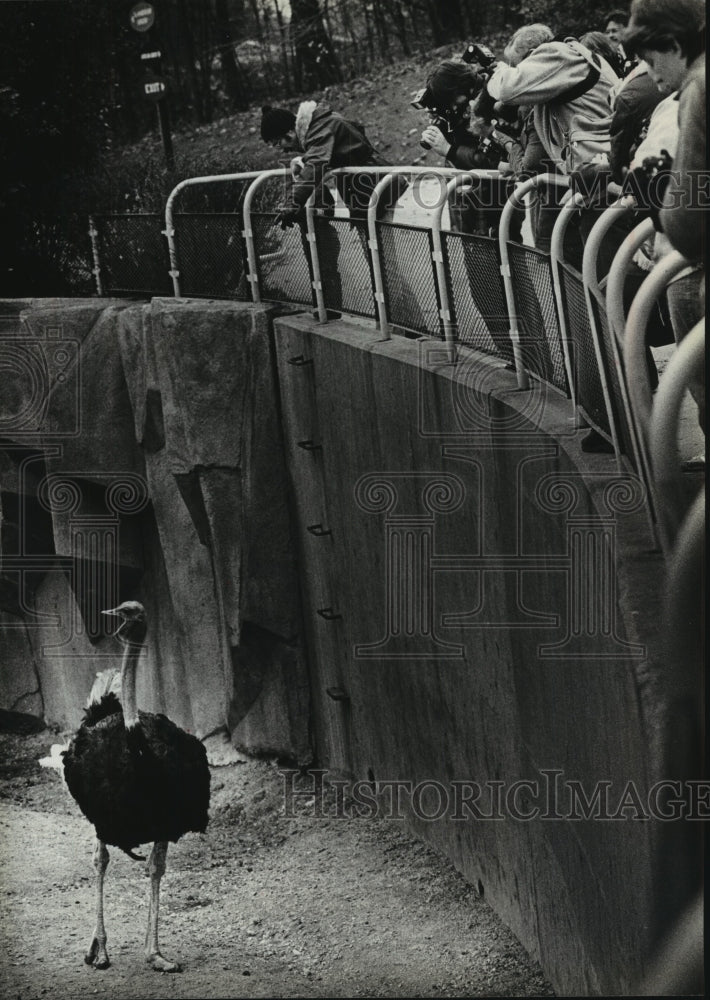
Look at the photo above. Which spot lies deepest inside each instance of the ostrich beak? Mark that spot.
(116, 614)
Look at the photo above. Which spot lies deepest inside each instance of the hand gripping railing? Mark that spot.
(593, 289)
(258, 176)
(516, 200)
(687, 360)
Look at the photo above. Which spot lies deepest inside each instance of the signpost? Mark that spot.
(142, 19)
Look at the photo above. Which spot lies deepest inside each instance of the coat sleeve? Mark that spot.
(688, 194)
(316, 161)
(550, 70)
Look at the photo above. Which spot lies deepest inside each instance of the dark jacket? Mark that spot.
(328, 141)
(636, 99)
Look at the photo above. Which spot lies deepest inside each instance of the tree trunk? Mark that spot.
(234, 84)
(314, 49)
(283, 45)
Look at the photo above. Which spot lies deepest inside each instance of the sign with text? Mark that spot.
(154, 87)
(142, 16)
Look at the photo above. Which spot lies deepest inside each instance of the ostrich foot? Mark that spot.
(160, 964)
(97, 954)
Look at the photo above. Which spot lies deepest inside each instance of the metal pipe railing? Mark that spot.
(463, 181)
(688, 360)
(169, 231)
(379, 189)
(516, 200)
(623, 258)
(635, 337)
(592, 287)
(571, 204)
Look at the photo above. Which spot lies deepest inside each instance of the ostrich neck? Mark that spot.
(128, 684)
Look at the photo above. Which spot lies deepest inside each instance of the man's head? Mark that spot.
(452, 85)
(526, 40)
(614, 26)
(278, 128)
(669, 35)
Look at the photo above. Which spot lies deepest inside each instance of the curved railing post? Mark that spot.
(381, 186)
(593, 287)
(635, 336)
(570, 206)
(617, 276)
(450, 337)
(315, 260)
(169, 231)
(687, 360)
(516, 200)
(590, 280)
(248, 233)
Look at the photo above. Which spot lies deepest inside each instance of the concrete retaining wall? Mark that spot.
(478, 602)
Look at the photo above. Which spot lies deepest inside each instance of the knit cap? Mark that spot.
(276, 122)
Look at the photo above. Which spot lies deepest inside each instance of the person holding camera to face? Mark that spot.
(466, 141)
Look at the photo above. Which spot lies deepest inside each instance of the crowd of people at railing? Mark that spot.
(621, 109)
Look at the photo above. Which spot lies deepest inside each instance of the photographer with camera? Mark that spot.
(466, 142)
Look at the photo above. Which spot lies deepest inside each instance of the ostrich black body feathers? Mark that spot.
(150, 783)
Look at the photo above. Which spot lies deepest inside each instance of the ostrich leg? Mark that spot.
(156, 866)
(97, 954)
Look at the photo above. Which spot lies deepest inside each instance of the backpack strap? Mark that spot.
(591, 79)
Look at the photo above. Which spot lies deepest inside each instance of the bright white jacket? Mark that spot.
(572, 133)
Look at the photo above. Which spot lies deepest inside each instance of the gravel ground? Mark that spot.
(261, 905)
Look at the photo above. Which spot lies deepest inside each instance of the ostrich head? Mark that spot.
(132, 624)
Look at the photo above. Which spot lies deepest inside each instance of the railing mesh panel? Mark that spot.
(614, 377)
(476, 293)
(211, 255)
(345, 269)
(590, 395)
(282, 262)
(540, 341)
(411, 293)
(133, 254)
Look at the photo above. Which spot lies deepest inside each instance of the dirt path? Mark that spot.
(262, 905)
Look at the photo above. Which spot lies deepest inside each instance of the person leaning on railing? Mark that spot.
(567, 86)
(319, 139)
(670, 36)
(471, 143)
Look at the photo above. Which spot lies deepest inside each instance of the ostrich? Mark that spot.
(137, 778)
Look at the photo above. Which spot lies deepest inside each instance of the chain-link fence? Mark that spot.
(540, 340)
(282, 260)
(132, 254)
(476, 293)
(211, 255)
(590, 395)
(408, 275)
(345, 268)
(617, 392)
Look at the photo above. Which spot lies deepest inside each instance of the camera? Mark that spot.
(445, 119)
(479, 54)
